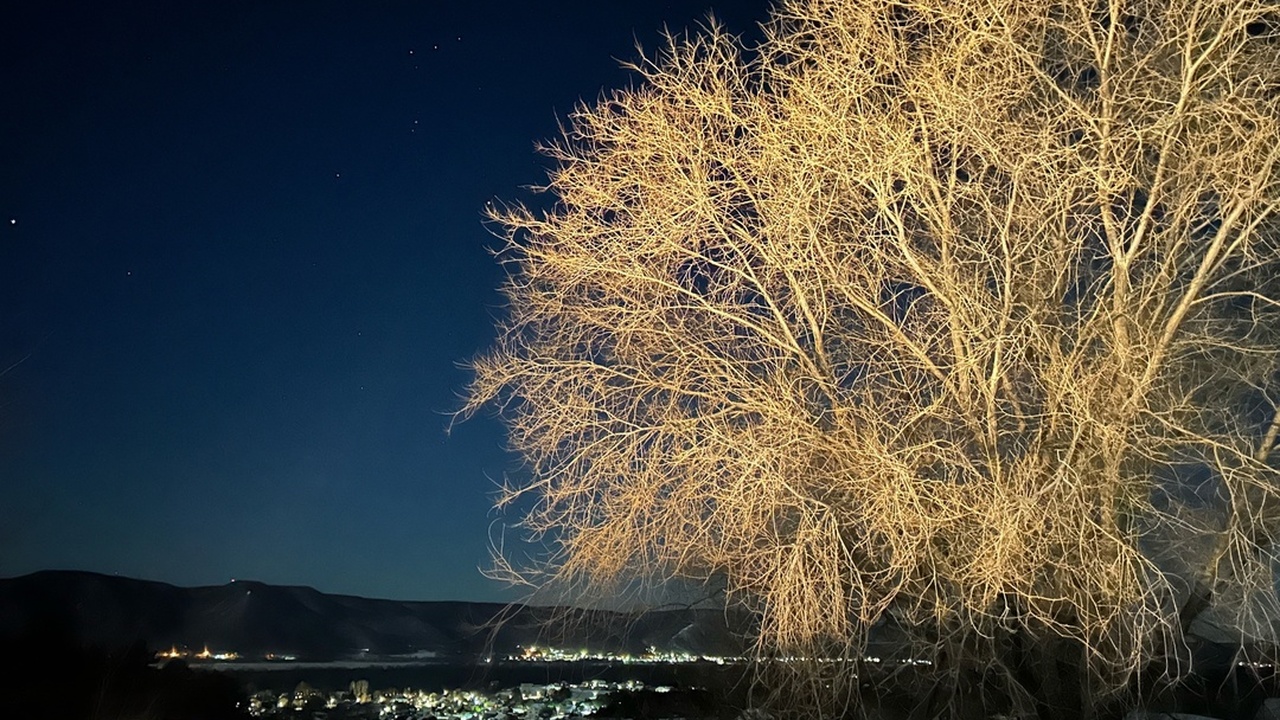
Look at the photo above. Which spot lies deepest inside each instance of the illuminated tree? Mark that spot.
(959, 313)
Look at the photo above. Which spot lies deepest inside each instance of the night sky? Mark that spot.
(241, 259)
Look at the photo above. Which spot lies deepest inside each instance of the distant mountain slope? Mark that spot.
(254, 619)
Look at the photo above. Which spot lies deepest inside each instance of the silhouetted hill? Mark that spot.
(254, 619)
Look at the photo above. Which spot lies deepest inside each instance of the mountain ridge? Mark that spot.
(256, 619)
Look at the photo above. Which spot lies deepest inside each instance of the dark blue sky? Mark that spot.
(241, 257)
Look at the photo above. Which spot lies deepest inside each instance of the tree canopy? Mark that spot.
(961, 313)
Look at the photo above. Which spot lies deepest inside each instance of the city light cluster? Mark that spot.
(550, 702)
(538, 653)
(174, 653)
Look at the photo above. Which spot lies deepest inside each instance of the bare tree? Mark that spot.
(960, 313)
